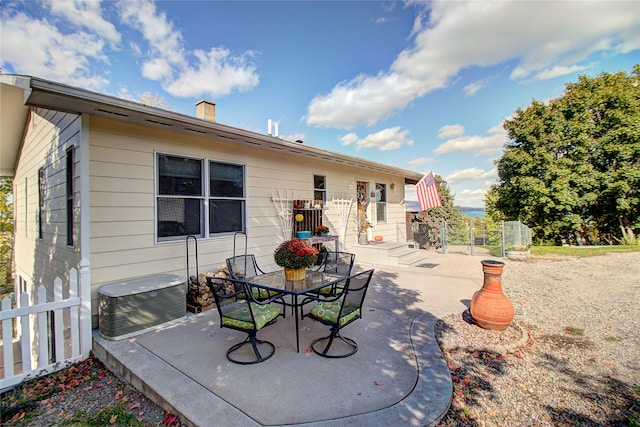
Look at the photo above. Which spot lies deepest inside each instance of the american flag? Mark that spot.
(427, 191)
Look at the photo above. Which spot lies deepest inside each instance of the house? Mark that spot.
(113, 187)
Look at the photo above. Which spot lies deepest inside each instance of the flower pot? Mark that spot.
(363, 239)
(490, 308)
(295, 274)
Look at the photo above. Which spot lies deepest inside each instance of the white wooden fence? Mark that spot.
(35, 332)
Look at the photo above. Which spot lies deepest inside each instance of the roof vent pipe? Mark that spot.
(274, 125)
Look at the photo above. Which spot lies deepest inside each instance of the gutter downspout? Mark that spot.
(84, 268)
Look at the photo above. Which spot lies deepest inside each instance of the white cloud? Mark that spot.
(470, 175)
(421, 161)
(384, 140)
(476, 144)
(545, 38)
(75, 42)
(52, 54)
(450, 131)
(473, 88)
(85, 14)
(215, 72)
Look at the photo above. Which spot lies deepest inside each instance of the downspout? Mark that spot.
(84, 268)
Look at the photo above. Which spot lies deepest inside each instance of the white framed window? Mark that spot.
(180, 197)
(320, 188)
(227, 200)
(381, 202)
(70, 174)
(182, 209)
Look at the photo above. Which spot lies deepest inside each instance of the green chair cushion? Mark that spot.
(329, 311)
(241, 318)
(329, 290)
(259, 294)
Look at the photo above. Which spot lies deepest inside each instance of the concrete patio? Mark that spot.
(397, 377)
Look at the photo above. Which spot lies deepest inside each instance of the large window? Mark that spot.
(181, 208)
(226, 198)
(381, 202)
(180, 196)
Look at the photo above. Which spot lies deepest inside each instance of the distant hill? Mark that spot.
(473, 212)
(414, 206)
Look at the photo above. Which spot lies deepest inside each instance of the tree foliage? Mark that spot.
(6, 229)
(571, 168)
(448, 212)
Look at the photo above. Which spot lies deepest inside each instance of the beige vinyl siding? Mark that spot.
(47, 137)
(122, 199)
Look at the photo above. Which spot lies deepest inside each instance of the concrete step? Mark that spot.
(412, 259)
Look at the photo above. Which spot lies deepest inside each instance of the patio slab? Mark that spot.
(397, 377)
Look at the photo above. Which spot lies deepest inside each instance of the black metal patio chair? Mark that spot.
(243, 267)
(240, 311)
(337, 312)
(340, 263)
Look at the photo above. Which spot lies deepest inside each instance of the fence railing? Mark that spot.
(46, 336)
(497, 237)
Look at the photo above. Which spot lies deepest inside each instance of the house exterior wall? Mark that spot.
(47, 137)
(122, 201)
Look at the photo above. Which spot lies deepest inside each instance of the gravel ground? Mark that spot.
(571, 357)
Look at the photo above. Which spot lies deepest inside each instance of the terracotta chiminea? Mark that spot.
(490, 308)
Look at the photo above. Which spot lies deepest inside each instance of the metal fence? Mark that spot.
(475, 237)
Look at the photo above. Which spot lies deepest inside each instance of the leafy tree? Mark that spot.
(6, 229)
(571, 170)
(448, 211)
(154, 100)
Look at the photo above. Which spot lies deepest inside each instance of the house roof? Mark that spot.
(18, 93)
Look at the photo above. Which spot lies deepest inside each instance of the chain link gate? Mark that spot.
(474, 237)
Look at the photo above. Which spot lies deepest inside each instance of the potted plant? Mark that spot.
(295, 256)
(322, 230)
(518, 252)
(364, 225)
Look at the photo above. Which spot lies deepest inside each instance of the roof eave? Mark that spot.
(67, 98)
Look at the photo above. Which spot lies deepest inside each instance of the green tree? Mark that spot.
(571, 168)
(6, 229)
(448, 212)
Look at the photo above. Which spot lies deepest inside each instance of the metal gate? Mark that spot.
(475, 237)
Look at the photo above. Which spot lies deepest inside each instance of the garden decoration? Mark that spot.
(295, 256)
(322, 230)
(490, 308)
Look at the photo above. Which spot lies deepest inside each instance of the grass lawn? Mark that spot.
(582, 251)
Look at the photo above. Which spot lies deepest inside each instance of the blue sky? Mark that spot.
(419, 85)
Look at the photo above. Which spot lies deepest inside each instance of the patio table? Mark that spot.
(275, 281)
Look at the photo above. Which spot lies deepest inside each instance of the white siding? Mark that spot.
(122, 199)
(47, 137)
